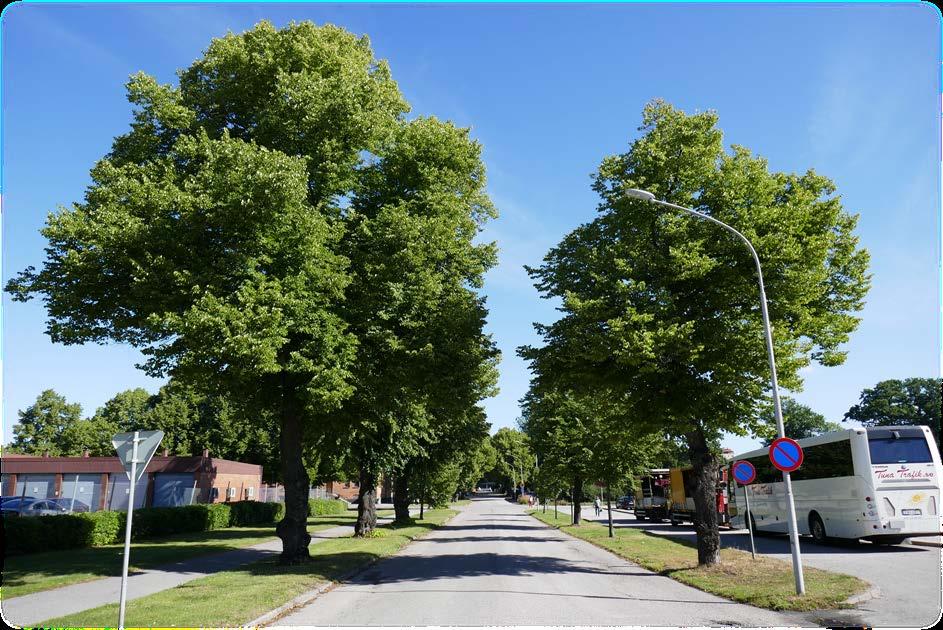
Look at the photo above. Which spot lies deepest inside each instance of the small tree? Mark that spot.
(799, 421)
(912, 401)
(48, 425)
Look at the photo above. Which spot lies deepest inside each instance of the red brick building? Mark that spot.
(100, 483)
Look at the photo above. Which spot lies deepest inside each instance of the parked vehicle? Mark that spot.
(681, 507)
(880, 484)
(625, 503)
(5, 499)
(71, 506)
(651, 495)
(32, 507)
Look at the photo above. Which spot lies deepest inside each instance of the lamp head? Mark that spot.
(644, 195)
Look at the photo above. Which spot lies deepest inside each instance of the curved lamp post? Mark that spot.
(644, 195)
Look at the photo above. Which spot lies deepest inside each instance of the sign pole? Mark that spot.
(746, 497)
(127, 532)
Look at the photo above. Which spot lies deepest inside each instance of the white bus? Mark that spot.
(880, 484)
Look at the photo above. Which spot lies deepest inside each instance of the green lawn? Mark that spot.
(29, 573)
(764, 582)
(234, 598)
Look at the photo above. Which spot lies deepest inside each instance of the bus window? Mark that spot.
(899, 451)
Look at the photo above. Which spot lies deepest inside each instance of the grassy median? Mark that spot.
(236, 597)
(764, 582)
(30, 573)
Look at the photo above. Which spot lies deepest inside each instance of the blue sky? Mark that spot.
(851, 90)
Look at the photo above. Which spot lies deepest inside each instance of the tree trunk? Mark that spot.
(366, 505)
(577, 495)
(422, 495)
(609, 507)
(293, 528)
(401, 496)
(704, 471)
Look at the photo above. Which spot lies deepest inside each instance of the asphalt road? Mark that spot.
(494, 565)
(907, 577)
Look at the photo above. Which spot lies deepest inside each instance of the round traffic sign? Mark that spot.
(744, 472)
(786, 454)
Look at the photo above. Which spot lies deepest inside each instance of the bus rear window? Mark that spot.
(899, 451)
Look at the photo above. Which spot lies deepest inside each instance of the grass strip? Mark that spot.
(233, 598)
(31, 573)
(765, 582)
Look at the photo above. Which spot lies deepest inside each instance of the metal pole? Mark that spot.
(75, 488)
(746, 497)
(777, 407)
(127, 533)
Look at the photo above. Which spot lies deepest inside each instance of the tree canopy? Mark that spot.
(800, 421)
(273, 231)
(911, 401)
(663, 309)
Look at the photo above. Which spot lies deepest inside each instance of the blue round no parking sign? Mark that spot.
(744, 472)
(786, 454)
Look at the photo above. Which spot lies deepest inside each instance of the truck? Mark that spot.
(681, 505)
(652, 494)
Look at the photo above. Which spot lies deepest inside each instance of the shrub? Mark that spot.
(244, 513)
(26, 534)
(317, 507)
(163, 521)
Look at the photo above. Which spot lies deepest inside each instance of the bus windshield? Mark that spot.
(899, 451)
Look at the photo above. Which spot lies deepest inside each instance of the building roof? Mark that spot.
(34, 464)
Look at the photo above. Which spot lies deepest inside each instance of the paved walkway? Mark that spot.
(29, 610)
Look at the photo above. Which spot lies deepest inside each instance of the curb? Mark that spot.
(926, 543)
(308, 597)
(872, 593)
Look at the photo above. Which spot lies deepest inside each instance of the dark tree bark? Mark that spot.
(704, 470)
(609, 507)
(422, 495)
(577, 497)
(293, 528)
(401, 496)
(367, 503)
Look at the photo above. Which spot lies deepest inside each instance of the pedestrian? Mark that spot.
(597, 506)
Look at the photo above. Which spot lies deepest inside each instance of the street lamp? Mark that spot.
(644, 195)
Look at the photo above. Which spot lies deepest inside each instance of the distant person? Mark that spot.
(597, 506)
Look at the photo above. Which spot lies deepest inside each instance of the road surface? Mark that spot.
(495, 565)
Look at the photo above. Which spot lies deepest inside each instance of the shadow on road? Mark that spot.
(421, 568)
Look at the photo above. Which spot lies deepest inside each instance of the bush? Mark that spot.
(65, 531)
(245, 513)
(74, 531)
(318, 507)
(163, 521)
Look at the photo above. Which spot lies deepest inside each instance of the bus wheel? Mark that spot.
(817, 528)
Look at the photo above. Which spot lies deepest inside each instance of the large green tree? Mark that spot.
(664, 307)
(48, 426)
(423, 360)
(209, 236)
(799, 421)
(911, 401)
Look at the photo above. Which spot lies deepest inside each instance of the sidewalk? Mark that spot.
(30, 609)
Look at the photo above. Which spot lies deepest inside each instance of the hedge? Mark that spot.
(65, 531)
(92, 529)
(244, 513)
(317, 507)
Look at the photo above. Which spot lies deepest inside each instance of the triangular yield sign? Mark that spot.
(148, 441)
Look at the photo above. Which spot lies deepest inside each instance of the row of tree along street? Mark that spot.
(275, 232)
